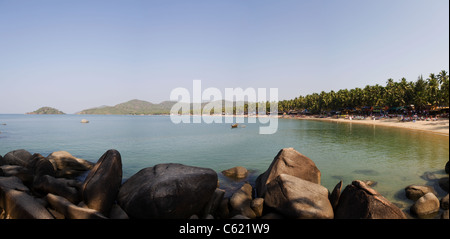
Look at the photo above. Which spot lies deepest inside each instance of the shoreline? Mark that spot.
(440, 127)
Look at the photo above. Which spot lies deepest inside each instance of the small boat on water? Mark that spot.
(234, 126)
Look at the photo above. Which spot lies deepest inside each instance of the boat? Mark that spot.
(234, 125)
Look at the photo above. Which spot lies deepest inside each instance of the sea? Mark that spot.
(391, 158)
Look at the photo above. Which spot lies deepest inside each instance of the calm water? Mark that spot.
(394, 158)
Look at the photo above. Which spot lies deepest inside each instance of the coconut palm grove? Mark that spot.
(423, 96)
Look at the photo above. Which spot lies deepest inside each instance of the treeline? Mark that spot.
(422, 93)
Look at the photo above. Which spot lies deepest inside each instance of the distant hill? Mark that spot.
(46, 111)
(132, 107)
(141, 107)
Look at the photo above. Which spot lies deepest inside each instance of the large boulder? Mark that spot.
(17, 203)
(414, 192)
(19, 157)
(426, 206)
(101, 186)
(288, 161)
(68, 166)
(294, 197)
(359, 201)
(172, 191)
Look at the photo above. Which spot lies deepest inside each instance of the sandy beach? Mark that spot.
(440, 126)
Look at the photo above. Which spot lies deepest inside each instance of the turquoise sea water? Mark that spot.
(394, 158)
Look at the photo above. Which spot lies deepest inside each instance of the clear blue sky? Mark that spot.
(78, 54)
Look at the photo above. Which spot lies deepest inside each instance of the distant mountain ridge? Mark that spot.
(141, 107)
(132, 107)
(46, 111)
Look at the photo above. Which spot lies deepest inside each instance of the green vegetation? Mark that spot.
(132, 107)
(46, 111)
(423, 94)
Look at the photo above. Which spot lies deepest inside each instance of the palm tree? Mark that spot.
(433, 90)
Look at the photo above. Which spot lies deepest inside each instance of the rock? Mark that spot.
(444, 202)
(272, 215)
(24, 174)
(19, 157)
(17, 203)
(430, 176)
(443, 183)
(239, 216)
(71, 211)
(445, 214)
(257, 205)
(14, 183)
(68, 166)
(172, 191)
(236, 172)
(288, 161)
(41, 166)
(194, 217)
(84, 121)
(66, 188)
(294, 197)
(426, 206)
(414, 192)
(370, 183)
(447, 167)
(241, 200)
(334, 197)
(117, 212)
(101, 186)
(224, 211)
(359, 201)
(214, 203)
(10, 170)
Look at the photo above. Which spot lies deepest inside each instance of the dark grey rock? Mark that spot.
(172, 191)
(66, 188)
(335, 194)
(19, 157)
(443, 183)
(444, 202)
(359, 201)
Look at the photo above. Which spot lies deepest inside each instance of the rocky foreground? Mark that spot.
(37, 187)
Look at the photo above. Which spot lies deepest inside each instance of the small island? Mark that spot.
(46, 111)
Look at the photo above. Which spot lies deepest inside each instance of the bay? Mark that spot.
(392, 157)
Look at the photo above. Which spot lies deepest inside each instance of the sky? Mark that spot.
(79, 54)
